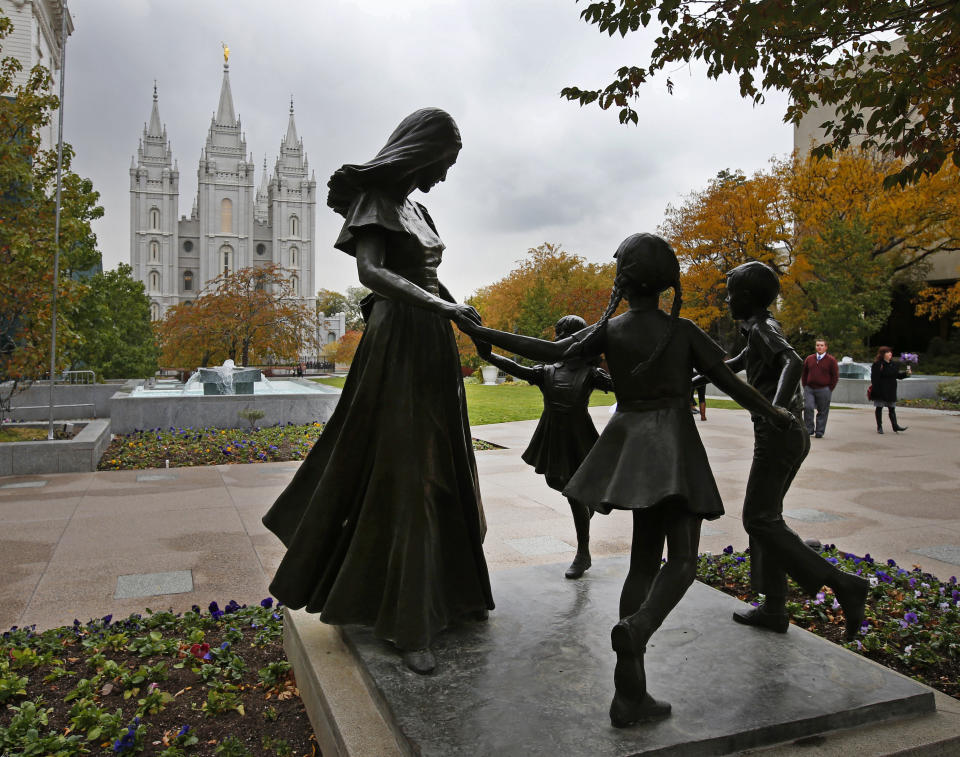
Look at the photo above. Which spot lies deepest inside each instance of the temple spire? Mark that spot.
(225, 113)
(155, 129)
(291, 139)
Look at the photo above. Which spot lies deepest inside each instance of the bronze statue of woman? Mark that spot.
(383, 521)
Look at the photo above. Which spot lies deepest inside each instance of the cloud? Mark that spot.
(534, 168)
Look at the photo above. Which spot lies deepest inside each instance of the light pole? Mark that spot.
(56, 227)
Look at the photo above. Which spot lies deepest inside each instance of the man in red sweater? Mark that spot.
(819, 379)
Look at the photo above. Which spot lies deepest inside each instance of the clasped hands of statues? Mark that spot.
(468, 320)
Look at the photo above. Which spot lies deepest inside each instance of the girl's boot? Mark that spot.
(879, 414)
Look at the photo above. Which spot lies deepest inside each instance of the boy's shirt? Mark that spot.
(765, 342)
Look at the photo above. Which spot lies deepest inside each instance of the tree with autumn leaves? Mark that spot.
(900, 97)
(250, 313)
(27, 221)
(546, 285)
(839, 238)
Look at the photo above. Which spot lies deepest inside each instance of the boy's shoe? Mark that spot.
(778, 622)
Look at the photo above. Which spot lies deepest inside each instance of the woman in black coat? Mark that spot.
(884, 375)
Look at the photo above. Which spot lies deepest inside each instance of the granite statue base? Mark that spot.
(537, 678)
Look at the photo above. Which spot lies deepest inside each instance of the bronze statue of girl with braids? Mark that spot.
(649, 459)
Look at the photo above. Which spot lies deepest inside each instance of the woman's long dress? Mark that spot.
(383, 521)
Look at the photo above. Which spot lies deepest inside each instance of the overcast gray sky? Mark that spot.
(534, 168)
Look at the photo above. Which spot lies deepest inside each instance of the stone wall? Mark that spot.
(132, 412)
(78, 455)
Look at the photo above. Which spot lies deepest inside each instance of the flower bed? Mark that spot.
(912, 621)
(201, 683)
(216, 682)
(181, 447)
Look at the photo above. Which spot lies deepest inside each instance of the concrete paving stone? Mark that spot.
(130, 501)
(24, 485)
(926, 504)
(38, 508)
(251, 518)
(153, 584)
(30, 541)
(810, 515)
(944, 553)
(143, 478)
(540, 545)
(269, 556)
(262, 496)
(57, 484)
(148, 532)
(201, 475)
(510, 514)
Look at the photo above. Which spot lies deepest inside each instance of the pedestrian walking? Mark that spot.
(818, 378)
(884, 375)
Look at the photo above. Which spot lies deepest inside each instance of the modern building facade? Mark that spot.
(233, 223)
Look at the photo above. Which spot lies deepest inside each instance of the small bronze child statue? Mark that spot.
(649, 458)
(565, 433)
(773, 369)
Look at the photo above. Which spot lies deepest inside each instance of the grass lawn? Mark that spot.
(20, 434)
(518, 401)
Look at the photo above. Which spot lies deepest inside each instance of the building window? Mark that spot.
(154, 311)
(154, 251)
(154, 281)
(331, 337)
(226, 259)
(226, 216)
(295, 286)
(188, 246)
(154, 219)
(188, 281)
(261, 249)
(294, 226)
(294, 262)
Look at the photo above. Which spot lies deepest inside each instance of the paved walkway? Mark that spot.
(66, 539)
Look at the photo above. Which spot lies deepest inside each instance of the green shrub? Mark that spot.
(949, 391)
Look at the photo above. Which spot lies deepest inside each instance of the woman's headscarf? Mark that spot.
(424, 137)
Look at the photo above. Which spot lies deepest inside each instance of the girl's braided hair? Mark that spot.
(646, 265)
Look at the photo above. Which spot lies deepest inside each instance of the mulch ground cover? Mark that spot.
(185, 447)
(216, 682)
(202, 683)
(912, 621)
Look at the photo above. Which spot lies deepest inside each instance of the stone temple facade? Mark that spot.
(234, 223)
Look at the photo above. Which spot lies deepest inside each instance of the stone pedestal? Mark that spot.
(537, 679)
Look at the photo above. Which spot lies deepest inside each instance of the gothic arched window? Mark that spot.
(154, 251)
(154, 311)
(226, 216)
(188, 281)
(261, 249)
(294, 226)
(155, 218)
(294, 262)
(154, 281)
(295, 285)
(226, 258)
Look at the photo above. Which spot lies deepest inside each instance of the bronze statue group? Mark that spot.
(383, 521)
